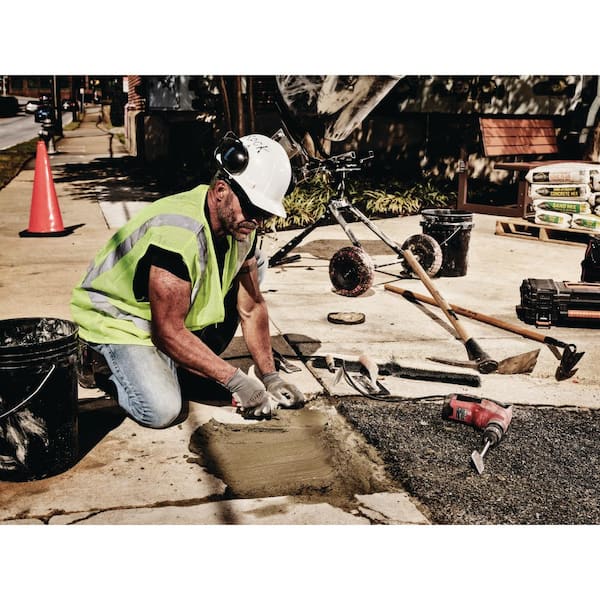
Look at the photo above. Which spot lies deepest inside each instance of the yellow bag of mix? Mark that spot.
(580, 191)
(557, 219)
(587, 222)
(568, 206)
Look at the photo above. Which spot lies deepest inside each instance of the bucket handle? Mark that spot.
(24, 402)
(456, 230)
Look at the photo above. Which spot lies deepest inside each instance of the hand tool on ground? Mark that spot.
(365, 385)
(491, 416)
(521, 363)
(568, 359)
(478, 358)
(371, 366)
(393, 368)
(284, 364)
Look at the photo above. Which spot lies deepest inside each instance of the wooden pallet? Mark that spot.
(523, 229)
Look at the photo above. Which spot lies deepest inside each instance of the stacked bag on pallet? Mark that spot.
(566, 195)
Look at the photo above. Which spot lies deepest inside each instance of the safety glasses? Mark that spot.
(250, 210)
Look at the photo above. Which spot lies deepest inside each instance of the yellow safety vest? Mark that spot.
(104, 304)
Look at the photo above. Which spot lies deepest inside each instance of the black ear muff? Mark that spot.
(232, 155)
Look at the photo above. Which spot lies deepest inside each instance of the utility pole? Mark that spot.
(57, 105)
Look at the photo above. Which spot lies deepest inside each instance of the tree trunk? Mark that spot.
(240, 107)
(226, 108)
(250, 92)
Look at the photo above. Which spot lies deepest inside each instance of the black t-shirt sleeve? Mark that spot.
(159, 257)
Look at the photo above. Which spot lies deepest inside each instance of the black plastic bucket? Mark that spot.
(451, 229)
(38, 398)
(590, 265)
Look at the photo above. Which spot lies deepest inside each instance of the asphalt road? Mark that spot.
(21, 128)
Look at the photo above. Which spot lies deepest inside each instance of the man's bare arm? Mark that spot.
(254, 318)
(169, 303)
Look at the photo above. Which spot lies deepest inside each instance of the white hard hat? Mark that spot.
(260, 166)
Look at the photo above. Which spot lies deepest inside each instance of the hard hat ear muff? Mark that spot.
(231, 154)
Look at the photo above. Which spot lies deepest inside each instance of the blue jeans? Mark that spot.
(146, 379)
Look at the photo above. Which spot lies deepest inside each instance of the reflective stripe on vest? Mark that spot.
(102, 307)
(100, 301)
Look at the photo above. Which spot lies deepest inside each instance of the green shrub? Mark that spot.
(309, 200)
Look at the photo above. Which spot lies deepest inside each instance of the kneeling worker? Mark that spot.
(170, 287)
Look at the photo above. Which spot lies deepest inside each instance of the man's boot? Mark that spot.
(91, 364)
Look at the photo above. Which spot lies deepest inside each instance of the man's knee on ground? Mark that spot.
(160, 417)
(156, 409)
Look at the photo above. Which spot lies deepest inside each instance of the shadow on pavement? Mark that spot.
(125, 179)
(95, 424)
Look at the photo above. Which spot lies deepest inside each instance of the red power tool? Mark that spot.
(490, 415)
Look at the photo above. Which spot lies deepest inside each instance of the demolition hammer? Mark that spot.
(491, 416)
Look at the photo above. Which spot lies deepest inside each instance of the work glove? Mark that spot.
(286, 394)
(253, 398)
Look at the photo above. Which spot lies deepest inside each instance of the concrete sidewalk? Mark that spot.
(133, 475)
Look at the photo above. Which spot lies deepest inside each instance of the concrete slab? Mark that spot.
(128, 467)
(281, 510)
(380, 509)
(117, 214)
(390, 509)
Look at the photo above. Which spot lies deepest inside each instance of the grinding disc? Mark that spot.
(427, 251)
(351, 271)
(346, 318)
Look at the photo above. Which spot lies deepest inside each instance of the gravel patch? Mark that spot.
(544, 471)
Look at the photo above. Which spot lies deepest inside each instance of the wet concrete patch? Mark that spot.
(310, 454)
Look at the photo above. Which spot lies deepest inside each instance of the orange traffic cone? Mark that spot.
(44, 216)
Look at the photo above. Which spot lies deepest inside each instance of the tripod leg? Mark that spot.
(382, 236)
(424, 246)
(344, 225)
(277, 258)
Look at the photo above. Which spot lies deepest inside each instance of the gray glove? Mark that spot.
(286, 394)
(252, 395)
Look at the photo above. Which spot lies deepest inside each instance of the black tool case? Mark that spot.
(545, 302)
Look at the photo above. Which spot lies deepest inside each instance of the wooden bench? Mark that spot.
(511, 139)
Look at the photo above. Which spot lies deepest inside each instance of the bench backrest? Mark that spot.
(517, 137)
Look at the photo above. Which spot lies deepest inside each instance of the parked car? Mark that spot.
(9, 106)
(45, 111)
(32, 106)
(69, 105)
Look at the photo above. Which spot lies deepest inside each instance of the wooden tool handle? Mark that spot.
(439, 300)
(471, 314)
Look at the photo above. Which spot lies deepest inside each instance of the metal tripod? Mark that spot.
(337, 165)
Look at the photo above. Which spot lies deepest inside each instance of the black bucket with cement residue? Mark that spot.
(451, 229)
(38, 397)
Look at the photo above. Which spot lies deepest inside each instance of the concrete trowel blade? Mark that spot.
(522, 363)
